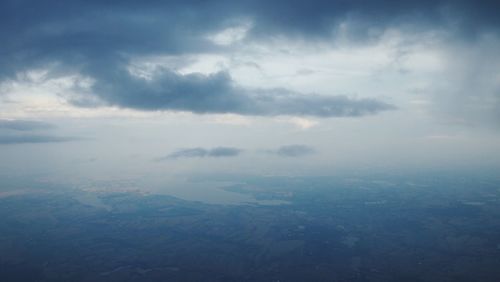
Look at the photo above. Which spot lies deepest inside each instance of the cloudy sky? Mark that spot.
(98, 90)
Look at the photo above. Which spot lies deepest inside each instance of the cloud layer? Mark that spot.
(217, 93)
(28, 131)
(33, 139)
(24, 125)
(216, 152)
(293, 151)
(98, 40)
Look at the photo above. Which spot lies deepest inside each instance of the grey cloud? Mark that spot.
(202, 152)
(28, 131)
(367, 19)
(224, 152)
(188, 153)
(99, 39)
(24, 125)
(217, 93)
(32, 138)
(293, 151)
(468, 93)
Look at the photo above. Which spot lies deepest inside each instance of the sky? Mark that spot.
(163, 90)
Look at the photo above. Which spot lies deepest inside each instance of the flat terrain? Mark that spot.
(326, 230)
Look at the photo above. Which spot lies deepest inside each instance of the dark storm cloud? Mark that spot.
(216, 152)
(293, 151)
(366, 19)
(217, 93)
(99, 38)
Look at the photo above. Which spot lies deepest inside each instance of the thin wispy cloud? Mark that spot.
(24, 125)
(33, 139)
(293, 151)
(217, 152)
(29, 131)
